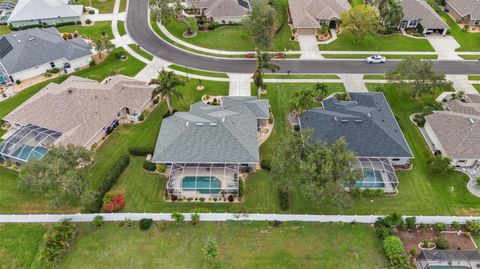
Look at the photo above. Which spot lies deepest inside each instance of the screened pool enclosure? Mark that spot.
(378, 173)
(448, 259)
(28, 143)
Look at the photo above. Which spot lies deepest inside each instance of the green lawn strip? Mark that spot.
(101, 29)
(375, 42)
(4, 30)
(393, 56)
(474, 77)
(141, 52)
(477, 86)
(379, 76)
(467, 41)
(300, 76)
(121, 28)
(292, 245)
(19, 244)
(357, 2)
(103, 6)
(470, 57)
(197, 71)
(123, 6)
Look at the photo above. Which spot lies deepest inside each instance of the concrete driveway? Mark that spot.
(309, 47)
(445, 46)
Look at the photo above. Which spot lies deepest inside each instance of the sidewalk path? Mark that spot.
(106, 16)
(445, 46)
(220, 217)
(309, 47)
(151, 70)
(353, 82)
(239, 84)
(461, 83)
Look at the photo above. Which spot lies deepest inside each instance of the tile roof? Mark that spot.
(419, 9)
(33, 47)
(80, 107)
(213, 134)
(29, 10)
(306, 13)
(466, 7)
(366, 122)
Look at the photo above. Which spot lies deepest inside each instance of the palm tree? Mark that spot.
(321, 89)
(392, 14)
(302, 101)
(102, 45)
(166, 83)
(263, 62)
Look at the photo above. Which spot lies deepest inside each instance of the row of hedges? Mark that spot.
(139, 151)
(108, 183)
(43, 25)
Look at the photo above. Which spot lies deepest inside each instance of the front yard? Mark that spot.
(101, 29)
(103, 6)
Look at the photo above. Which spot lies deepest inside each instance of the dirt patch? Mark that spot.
(457, 241)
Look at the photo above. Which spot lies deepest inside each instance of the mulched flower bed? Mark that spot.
(413, 238)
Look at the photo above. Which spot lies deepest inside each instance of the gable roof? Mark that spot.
(458, 128)
(421, 10)
(213, 134)
(306, 13)
(80, 107)
(27, 10)
(30, 48)
(366, 122)
(466, 7)
(222, 8)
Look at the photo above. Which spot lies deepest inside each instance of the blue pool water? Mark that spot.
(202, 185)
(23, 155)
(369, 180)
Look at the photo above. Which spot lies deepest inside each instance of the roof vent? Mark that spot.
(358, 121)
(199, 123)
(31, 38)
(335, 118)
(223, 119)
(344, 120)
(19, 41)
(212, 124)
(70, 91)
(369, 115)
(186, 123)
(471, 121)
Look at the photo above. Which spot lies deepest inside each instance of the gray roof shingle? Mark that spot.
(30, 10)
(306, 13)
(466, 7)
(222, 8)
(421, 10)
(366, 122)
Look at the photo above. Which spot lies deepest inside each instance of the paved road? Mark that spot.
(137, 25)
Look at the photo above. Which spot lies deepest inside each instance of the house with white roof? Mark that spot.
(44, 13)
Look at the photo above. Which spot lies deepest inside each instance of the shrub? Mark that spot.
(195, 218)
(441, 243)
(455, 224)
(342, 96)
(145, 224)
(266, 164)
(419, 120)
(161, 168)
(139, 151)
(373, 193)
(201, 199)
(92, 63)
(91, 11)
(173, 198)
(473, 226)
(411, 222)
(177, 218)
(356, 192)
(18, 82)
(393, 246)
(119, 55)
(88, 21)
(231, 198)
(241, 187)
(439, 227)
(113, 201)
(425, 244)
(149, 166)
(384, 232)
(413, 252)
(55, 70)
(57, 241)
(97, 221)
(283, 197)
(212, 25)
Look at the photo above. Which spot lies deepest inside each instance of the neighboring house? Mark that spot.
(44, 12)
(437, 258)
(6, 8)
(419, 14)
(207, 148)
(307, 16)
(78, 111)
(32, 52)
(464, 11)
(223, 11)
(371, 132)
(455, 132)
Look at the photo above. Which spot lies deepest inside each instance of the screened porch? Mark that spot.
(378, 173)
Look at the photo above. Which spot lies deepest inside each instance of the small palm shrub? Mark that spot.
(145, 224)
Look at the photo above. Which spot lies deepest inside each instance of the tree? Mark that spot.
(286, 162)
(164, 10)
(321, 90)
(419, 77)
(361, 20)
(61, 174)
(393, 246)
(260, 23)
(190, 29)
(167, 82)
(440, 164)
(263, 63)
(391, 13)
(103, 45)
(301, 101)
(56, 242)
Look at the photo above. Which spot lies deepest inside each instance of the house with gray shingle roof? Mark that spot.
(368, 126)
(419, 14)
(306, 16)
(206, 148)
(464, 11)
(32, 52)
(455, 131)
(44, 12)
(223, 11)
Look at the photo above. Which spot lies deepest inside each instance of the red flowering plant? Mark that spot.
(113, 201)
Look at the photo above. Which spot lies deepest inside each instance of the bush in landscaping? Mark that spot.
(413, 252)
(384, 232)
(283, 197)
(139, 151)
(241, 187)
(473, 226)
(342, 96)
(57, 241)
(97, 221)
(18, 82)
(195, 218)
(373, 193)
(419, 120)
(393, 246)
(425, 244)
(55, 70)
(439, 227)
(411, 222)
(266, 164)
(455, 224)
(88, 21)
(91, 11)
(441, 243)
(92, 63)
(113, 201)
(149, 166)
(400, 262)
(356, 192)
(145, 224)
(177, 218)
(230, 198)
(161, 168)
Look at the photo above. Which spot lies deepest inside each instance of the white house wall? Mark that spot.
(41, 69)
(51, 21)
(400, 161)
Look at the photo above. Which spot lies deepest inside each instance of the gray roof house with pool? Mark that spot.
(223, 11)
(367, 124)
(206, 148)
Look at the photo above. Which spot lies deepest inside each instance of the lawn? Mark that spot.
(4, 30)
(357, 2)
(379, 76)
(241, 245)
(393, 56)
(375, 42)
(300, 76)
(19, 244)
(237, 38)
(474, 77)
(103, 6)
(141, 52)
(121, 28)
(477, 86)
(197, 71)
(123, 6)
(101, 29)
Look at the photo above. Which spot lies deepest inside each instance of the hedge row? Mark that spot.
(139, 151)
(108, 182)
(42, 25)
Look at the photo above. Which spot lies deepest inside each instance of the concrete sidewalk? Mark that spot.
(309, 47)
(461, 83)
(239, 84)
(353, 82)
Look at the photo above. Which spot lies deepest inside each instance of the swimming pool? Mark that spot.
(447, 267)
(203, 185)
(369, 180)
(38, 153)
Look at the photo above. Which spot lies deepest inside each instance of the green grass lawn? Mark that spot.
(123, 6)
(4, 30)
(474, 77)
(241, 245)
(300, 76)
(19, 244)
(141, 52)
(477, 86)
(375, 42)
(357, 2)
(363, 56)
(470, 57)
(197, 71)
(237, 38)
(379, 76)
(121, 28)
(104, 6)
(101, 29)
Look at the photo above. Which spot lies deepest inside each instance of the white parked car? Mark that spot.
(376, 59)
